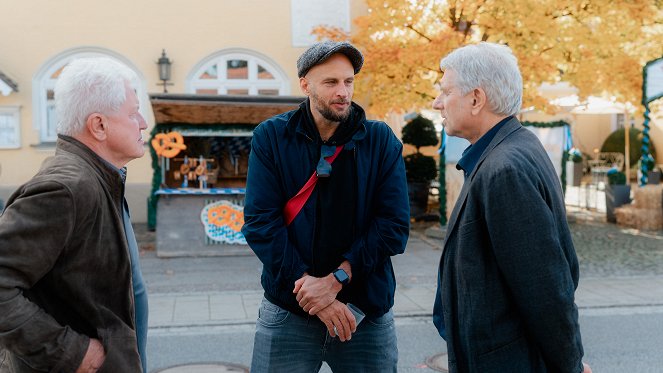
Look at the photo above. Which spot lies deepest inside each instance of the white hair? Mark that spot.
(491, 67)
(86, 86)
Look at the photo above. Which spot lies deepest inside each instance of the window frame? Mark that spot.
(222, 84)
(15, 112)
(42, 82)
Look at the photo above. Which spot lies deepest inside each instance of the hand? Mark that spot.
(315, 294)
(94, 357)
(586, 368)
(338, 316)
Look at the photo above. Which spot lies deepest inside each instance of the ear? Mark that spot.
(479, 100)
(303, 85)
(97, 126)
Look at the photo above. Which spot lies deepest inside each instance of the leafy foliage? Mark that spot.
(420, 132)
(575, 155)
(420, 168)
(598, 46)
(616, 177)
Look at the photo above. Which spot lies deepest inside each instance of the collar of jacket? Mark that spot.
(111, 175)
(508, 128)
(296, 122)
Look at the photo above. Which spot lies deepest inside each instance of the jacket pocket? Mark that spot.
(516, 356)
(121, 352)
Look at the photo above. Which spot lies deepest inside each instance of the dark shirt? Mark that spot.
(335, 204)
(473, 153)
(335, 198)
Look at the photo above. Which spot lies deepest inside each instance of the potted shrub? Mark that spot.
(654, 176)
(574, 167)
(617, 193)
(420, 169)
(653, 173)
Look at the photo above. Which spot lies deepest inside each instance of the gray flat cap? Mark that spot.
(320, 52)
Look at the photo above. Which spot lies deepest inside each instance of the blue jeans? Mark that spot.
(286, 342)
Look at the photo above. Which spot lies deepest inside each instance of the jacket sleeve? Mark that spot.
(541, 276)
(389, 218)
(34, 229)
(264, 226)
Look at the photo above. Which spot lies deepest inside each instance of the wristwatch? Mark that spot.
(341, 276)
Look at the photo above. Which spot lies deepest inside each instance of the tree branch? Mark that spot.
(424, 94)
(545, 50)
(409, 26)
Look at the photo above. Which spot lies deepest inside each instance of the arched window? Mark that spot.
(238, 72)
(43, 85)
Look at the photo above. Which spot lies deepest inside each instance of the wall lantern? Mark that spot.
(164, 70)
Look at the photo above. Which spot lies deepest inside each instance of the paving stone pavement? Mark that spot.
(619, 268)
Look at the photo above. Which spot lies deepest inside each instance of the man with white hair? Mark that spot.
(508, 271)
(71, 292)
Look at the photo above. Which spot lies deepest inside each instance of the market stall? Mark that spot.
(200, 147)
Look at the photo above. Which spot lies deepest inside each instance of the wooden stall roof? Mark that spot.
(218, 109)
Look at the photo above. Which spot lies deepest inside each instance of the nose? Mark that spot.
(437, 103)
(142, 122)
(343, 91)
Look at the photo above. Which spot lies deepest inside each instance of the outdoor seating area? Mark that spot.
(627, 204)
(605, 161)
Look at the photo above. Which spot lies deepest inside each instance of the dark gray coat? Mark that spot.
(65, 273)
(508, 270)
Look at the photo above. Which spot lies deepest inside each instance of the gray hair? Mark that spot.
(491, 67)
(86, 86)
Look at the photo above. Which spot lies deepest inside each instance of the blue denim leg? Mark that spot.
(372, 348)
(286, 342)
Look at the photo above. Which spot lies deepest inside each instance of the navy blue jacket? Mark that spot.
(282, 160)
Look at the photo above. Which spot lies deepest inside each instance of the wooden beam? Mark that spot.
(193, 109)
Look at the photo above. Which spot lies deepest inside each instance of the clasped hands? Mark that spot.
(317, 296)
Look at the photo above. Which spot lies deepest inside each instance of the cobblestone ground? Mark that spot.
(607, 250)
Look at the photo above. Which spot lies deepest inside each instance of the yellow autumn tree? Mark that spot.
(598, 46)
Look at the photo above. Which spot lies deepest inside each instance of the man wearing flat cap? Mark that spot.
(326, 207)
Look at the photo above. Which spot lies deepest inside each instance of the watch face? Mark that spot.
(341, 276)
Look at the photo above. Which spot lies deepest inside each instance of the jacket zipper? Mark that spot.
(315, 218)
(354, 221)
(131, 277)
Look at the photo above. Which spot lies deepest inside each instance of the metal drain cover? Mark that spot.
(439, 362)
(206, 368)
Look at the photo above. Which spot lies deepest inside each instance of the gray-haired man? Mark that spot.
(67, 250)
(508, 272)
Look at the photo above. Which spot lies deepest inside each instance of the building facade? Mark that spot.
(216, 47)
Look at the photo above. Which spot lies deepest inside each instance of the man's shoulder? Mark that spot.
(380, 130)
(279, 119)
(67, 170)
(276, 125)
(520, 155)
(377, 125)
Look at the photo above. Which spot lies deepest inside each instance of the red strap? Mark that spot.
(295, 204)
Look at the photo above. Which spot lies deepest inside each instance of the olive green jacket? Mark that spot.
(65, 272)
